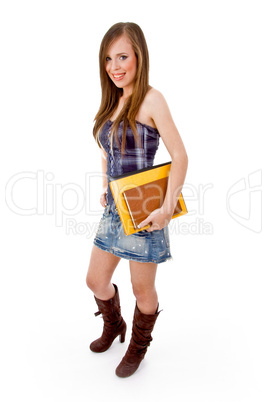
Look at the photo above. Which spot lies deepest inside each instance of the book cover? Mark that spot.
(150, 177)
(142, 200)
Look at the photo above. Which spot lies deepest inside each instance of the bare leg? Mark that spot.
(143, 277)
(101, 268)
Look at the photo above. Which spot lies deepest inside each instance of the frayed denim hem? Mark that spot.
(123, 254)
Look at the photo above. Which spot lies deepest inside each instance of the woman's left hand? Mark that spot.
(158, 219)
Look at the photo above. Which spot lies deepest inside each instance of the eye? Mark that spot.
(108, 58)
(123, 57)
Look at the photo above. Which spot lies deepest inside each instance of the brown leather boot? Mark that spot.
(114, 324)
(143, 325)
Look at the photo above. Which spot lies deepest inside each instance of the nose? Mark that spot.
(115, 65)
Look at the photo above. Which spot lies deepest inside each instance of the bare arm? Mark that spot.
(160, 113)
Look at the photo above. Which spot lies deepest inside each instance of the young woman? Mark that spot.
(131, 118)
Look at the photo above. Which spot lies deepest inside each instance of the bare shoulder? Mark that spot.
(153, 101)
(157, 107)
(154, 98)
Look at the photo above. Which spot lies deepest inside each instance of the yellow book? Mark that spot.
(138, 193)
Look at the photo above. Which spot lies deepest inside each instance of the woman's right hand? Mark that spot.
(103, 199)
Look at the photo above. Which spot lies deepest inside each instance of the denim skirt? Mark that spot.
(142, 246)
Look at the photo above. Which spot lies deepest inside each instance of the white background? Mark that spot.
(208, 58)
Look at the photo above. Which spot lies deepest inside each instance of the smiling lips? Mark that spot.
(118, 77)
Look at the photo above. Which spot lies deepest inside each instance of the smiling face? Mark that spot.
(121, 64)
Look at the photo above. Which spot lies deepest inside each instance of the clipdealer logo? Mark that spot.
(37, 193)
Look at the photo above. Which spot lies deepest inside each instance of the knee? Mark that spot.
(91, 283)
(142, 293)
(97, 285)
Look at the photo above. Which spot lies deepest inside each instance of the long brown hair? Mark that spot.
(111, 93)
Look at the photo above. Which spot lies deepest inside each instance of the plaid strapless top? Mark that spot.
(134, 158)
